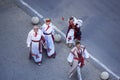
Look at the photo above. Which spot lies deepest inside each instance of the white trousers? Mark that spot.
(70, 36)
(36, 54)
(50, 45)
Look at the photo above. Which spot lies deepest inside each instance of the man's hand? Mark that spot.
(70, 63)
(29, 49)
(44, 45)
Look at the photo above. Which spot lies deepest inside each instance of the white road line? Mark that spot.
(60, 32)
(39, 15)
(25, 4)
(96, 60)
(105, 67)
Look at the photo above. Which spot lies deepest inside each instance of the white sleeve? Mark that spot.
(53, 28)
(75, 20)
(70, 57)
(42, 28)
(29, 39)
(86, 54)
(53, 31)
(79, 22)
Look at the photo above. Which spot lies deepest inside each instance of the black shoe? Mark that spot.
(54, 55)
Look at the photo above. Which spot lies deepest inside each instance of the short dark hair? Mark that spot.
(71, 18)
(78, 42)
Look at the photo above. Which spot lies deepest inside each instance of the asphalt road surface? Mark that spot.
(14, 62)
(101, 31)
(100, 36)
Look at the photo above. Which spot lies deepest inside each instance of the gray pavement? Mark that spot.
(97, 31)
(14, 63)
(101, 25)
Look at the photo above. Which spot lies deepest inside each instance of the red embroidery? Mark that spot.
(49, 49)
(48, 27)
(37, 56)
(35, 34)
(73, 52)
(69, 38)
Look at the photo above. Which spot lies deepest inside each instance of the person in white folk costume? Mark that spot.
(73, 33)
(76, 57)
(35, 40)
(48, 31)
